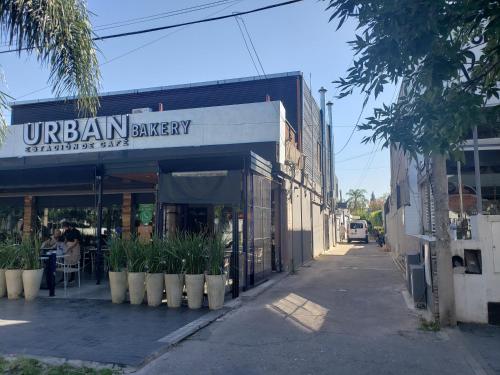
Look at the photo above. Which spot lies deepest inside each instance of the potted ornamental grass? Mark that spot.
(154, 257)
(4, 260)
(216, 278)
(174, 270)
(29, 251)
(13, 271)
(194, 249)
(136, 270)
(117, 263)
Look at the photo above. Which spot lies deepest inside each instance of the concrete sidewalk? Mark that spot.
(88, 330)
(343, 314)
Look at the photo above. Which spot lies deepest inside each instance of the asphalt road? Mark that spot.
(343, 314)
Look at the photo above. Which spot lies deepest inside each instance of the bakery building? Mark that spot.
(249, 156)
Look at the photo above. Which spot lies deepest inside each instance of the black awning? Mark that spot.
(47, 177)
(202, 188)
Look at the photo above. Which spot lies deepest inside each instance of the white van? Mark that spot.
(358, 231)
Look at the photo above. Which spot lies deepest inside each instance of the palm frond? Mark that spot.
(59, 33)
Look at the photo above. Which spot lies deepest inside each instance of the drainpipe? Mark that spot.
(332, 155)
(322, 92)
(332, 172)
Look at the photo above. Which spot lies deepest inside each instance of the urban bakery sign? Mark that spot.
(96, 133)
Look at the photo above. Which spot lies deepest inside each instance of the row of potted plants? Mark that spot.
(185, 260)
(20, 268)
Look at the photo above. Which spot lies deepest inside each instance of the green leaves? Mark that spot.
(59, 33)
(135, 251)
(446, 54)
(216, 248)
(155, 255)
(10, 254)
(116, 256)
(29, 252)
(357, 201)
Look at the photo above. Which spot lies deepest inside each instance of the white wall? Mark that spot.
(231, 124)
(473, 292)
(317, 230)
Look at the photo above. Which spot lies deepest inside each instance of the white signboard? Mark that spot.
(233, 124)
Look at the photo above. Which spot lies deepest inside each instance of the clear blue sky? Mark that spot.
(296, 37)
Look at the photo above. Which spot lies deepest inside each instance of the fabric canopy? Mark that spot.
(201, 189)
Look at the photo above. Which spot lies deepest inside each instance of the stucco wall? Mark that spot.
(473, 292)
(317, 230)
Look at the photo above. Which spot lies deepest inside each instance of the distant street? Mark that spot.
(343, 314)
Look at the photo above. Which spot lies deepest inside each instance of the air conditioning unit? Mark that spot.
(411, 259)
(142, 110)
(418, 285)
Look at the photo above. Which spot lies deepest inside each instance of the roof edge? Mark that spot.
(162, 88)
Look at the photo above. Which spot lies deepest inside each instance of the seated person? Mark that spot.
(72, 240)
(54, 242)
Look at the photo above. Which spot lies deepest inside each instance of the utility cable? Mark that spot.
(154, 29)
(253, 46)
(151, 18)
(355, 126)
(246, 46)
(157, 16)
(133, 50)
(355, 157)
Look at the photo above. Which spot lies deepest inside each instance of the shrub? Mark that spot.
(155, 255)
(116, 256)
(216, 247)
(136, 258)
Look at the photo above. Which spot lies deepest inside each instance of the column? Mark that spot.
(29, 215)
(127, 215)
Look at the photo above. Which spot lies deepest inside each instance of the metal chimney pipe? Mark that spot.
(332, 154)
(331, 149)
(322, 92)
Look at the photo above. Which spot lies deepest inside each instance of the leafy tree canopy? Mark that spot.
(357, 201)
(59, 34)
(445, 52)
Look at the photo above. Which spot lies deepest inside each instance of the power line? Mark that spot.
(154, 29)
(355, 157)
(157, 16)
(355, 126)
(134, 49)
(154, 17)
(362, 175)
(246, 46)
(253, 46)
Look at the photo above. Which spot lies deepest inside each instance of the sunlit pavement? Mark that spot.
(343, 314)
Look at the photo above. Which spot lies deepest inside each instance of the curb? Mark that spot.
(258, 290)
(190, 329)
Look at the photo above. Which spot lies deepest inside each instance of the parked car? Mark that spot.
(358, 231)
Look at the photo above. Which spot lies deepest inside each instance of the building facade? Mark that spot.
(251, 157)
(474, 225)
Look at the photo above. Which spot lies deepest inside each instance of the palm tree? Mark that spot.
(59, 34)
(357, 200)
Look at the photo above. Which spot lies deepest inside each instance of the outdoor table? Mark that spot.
(50, 259)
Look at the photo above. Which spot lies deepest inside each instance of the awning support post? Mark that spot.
(99, 262)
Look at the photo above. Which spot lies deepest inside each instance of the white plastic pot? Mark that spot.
(14, 282)
(174, 285)
(3, 285)
(194, 288)
(118, 285)
(216, 289)
(154, 288)
(32, 279)
(136, 287)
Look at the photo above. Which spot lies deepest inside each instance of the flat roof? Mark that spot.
(163, 88)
